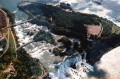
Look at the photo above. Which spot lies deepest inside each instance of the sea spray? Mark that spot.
(43, 51)
(78, 65)
(65, 71)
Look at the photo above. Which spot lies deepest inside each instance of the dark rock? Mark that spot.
(73, 66)
(66, 42)
(58, 52)
(30, 33)
(78, 47)
(99, 2)
(65, 6)
(46, 77)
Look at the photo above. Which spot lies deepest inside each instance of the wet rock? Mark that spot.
(66, 42)
(58, 52)
(65, 6)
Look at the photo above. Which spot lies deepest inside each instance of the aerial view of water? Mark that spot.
(11, 5)
(40, 50)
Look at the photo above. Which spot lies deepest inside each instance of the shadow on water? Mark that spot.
(97, 73)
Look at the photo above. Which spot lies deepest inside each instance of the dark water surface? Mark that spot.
(11, 5)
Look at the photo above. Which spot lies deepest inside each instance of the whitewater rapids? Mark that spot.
(108, 65)
(62, 70)
(41, 51)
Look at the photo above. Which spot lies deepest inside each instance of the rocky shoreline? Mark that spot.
(71, 24)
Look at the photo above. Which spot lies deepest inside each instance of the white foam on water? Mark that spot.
(40, 50)
(107, 9)
(65, 71)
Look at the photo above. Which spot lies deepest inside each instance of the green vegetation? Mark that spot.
(116, 30)
(44, 36)
(72, 24)
(12, 49)
(3, 43)
(25, 66)
(65, 23)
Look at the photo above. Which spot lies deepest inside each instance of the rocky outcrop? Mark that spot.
(72, 24)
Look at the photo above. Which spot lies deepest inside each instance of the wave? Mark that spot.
(65, 71)
(15, 11)
(43, 51)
